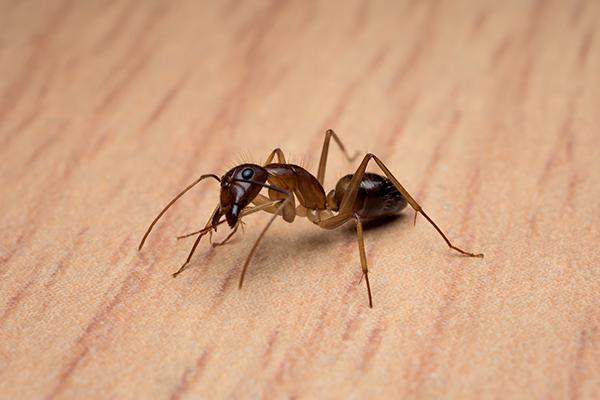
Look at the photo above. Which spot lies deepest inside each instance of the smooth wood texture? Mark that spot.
(487, 111)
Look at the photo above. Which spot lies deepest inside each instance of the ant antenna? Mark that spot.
(171, 203)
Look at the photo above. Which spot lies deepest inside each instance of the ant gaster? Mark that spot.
(293, 191)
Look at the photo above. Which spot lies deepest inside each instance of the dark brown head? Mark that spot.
(239, 186)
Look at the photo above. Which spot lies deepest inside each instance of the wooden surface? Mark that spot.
(487, 111)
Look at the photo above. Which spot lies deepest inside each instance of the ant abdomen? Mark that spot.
(377, 196)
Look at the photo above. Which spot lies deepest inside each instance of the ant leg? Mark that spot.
(335, 220)
(263, 206)
(338, 220)
(216, 210)
(180, 270)
(187, 235)
(261, 200)
(289, 214)
(363, 256)
(325, 151)
(280, 157)
(209, 228)
(280, 208)
(351, 192)
(222, 242)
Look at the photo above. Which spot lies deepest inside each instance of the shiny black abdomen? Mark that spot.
(377, 196)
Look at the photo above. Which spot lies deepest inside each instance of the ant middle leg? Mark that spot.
(325, 152)
(347, 203)
(276, 153)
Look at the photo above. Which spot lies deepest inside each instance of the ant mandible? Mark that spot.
(360, 197)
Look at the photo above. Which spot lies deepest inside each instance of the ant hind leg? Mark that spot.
(363, 256)
(350, 195)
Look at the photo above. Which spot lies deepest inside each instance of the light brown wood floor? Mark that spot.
(487, 111)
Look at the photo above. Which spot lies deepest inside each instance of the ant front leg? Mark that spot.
(209, 227)
(216, 210)
(224, 241)
(325, 152)
(350, 196)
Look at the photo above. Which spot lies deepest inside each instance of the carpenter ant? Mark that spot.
(360, 197)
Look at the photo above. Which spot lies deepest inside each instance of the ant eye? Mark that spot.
(247, 173)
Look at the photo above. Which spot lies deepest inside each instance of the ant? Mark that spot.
(362, 196)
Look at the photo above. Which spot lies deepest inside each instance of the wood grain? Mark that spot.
(487, 112)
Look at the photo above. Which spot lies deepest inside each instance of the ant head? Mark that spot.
(239, 186)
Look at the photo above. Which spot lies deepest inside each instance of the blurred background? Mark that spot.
(485, 111)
